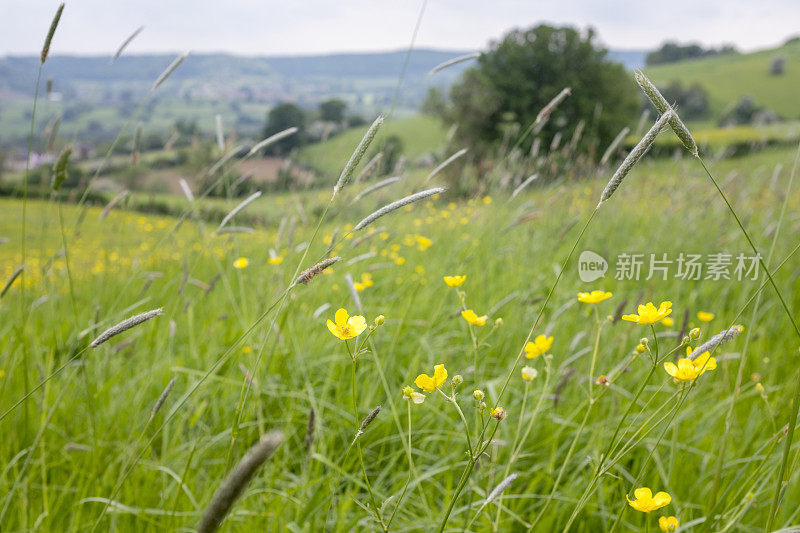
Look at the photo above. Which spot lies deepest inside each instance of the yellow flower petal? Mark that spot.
(425, 382)
(661, 499)
(439, 375)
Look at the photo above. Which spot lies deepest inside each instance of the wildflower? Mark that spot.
(688, 369)
(694, 333)
(640, 348)
(529, 373)
(470, 316)
(648, 314)
(346, 326)
(240, 263)
(246, 350)
(704, 316)
(593, 297)
(603, 380)
(379, 320)
(668, 524)
(423, 243)
(430, 384)
(481, 406)
(276, 260)
(539, 346)
(498, 413)
(646, 502)
(487, 200)
(454, 281)
(478, 394)
(366, 282)
(414, 396)
(668, 322)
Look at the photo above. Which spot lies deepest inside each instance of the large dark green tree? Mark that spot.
(281, 117)
(521, 73)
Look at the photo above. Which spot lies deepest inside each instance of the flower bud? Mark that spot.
(529, 373)
(478, 394)
(498, 413)
(498, 322)
(379, 320)
(457, 380)
(694, 333)
(481, 406)
(640, 348)
(686, 340)
(644, 341)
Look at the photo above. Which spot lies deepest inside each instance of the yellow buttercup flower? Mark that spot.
(593, 297)
(430, 384)
(689, 370)
(649, 314)
(538, 347)
(346, 326)
(277, 260)
(414, 396)
(668, 524)
(646, 502)
(470, 316)
(667, 321)
(454, 281)
(240, 263)
(705, 316)
(366, 282)
(498, 413)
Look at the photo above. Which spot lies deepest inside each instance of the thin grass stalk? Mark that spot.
(385, 210)
(743, 358)
(379, 185)
(355, 158)
(162, 398)
(663, 106)
(220, 134)
(789, 314)
(614, 145)
(125, 325)
(224, 159)
(114, 203)
(14, 275)
(455, 61)
(125, 43)
(634, 156)
(50, 33)
(371, 164)
(169, 70)
(238, 480)
(272, 139)
(530, 179)
(236, 210)
(444, 164)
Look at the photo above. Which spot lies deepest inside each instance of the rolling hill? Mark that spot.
(729, 77)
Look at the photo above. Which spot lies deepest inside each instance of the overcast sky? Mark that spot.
(267, 27)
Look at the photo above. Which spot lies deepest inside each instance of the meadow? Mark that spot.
(576, 353)
(248, 358)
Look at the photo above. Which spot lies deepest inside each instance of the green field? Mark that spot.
(420, 134)
(729, 77)
(82, 452)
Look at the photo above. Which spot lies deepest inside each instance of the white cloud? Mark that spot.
(285, 27)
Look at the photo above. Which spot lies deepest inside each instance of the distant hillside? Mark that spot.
(220, 72)
(729, 77)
